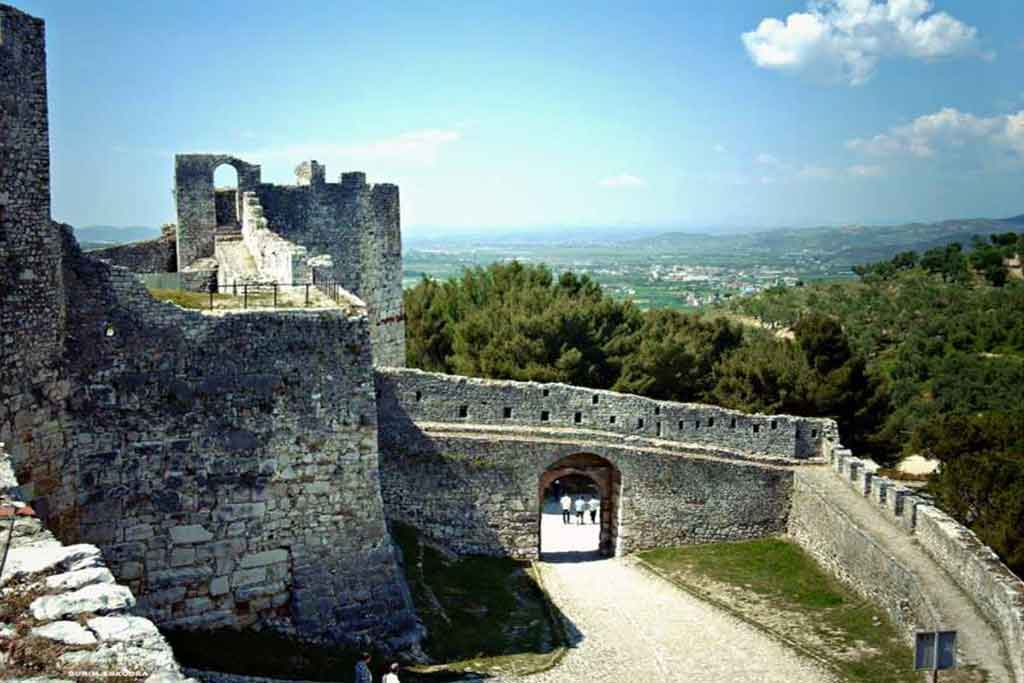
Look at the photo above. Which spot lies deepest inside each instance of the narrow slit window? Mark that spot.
(547, 392)
(463, 411)
(814, 433)
(657, 410)
(757, 428)
(419, 395)
(545, 415)
(682, 425)
(774, 424)
(507, 413)
(711, 422)
(696, 424)
(595, 399)
(611, 419)
(577, 417)
(658, 427)
(732, 423)
(639, 423)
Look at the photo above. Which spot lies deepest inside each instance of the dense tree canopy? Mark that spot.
(923, 354)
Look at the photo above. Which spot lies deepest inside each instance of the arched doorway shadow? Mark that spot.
(580, 476)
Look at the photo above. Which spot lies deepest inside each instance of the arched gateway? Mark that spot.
(593, 472)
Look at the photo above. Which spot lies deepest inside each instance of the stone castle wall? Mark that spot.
(996, 591)
(357, 225)
(158, 255)
(433, 397)
(32, 314)
(227, 464)
(472, 482)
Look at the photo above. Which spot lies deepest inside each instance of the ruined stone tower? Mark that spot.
(32, 311)
(347, 232)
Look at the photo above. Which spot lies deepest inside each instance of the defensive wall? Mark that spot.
(226, 464)
(464, 460)
(356, 224)
(852, 551)
(157, 255)
(32, 311)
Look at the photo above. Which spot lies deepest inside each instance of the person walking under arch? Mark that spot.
(580, 504)
(566, 507)
(593, 505)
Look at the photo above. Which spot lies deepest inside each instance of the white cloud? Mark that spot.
(948, 128)
(842, 41)
(419, 147)
(622, 180)
(866, 171)
(817, 172)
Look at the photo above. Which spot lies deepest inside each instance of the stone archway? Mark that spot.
(608, 480)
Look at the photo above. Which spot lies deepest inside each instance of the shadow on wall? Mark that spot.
(456, 500)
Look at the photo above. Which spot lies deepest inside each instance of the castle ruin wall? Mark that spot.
(226, 464)
(157, 255)
(434, 397)
(471, 481)
(32, 314)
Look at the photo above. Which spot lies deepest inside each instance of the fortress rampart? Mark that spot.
(463, 459)
(432, 397)
(355, 224)
(226, 464)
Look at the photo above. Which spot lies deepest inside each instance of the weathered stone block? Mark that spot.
(245, 577)
(264, 558)
(192, 533)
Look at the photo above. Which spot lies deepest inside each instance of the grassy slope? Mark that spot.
(774, 584)
(482, 614)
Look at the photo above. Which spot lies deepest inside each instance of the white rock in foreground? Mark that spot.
(101, 597)
(69, 632)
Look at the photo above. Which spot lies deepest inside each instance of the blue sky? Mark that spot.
(538, 114)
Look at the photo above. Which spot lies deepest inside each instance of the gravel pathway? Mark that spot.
(631, 625)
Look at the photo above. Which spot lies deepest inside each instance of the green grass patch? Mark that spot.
(482, 614)
(823, 617)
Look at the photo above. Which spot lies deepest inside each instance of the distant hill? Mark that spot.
(97, 236)
(848, 244)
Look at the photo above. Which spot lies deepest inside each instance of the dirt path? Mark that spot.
(632, 626)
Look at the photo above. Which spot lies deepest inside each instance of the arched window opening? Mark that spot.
(226, 198)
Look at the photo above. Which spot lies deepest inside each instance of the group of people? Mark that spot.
(581, 505)
(363, 674)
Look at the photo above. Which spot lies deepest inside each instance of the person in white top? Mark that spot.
(392, 675)
(580, 504)
(566, 507)
(593, 505)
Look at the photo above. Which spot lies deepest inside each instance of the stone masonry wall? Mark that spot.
(476, 490)
(433, 397)
(73, 611)
(32, 314)
(158, 255)
(995, 591)
(821, 528)
(358, 226)
(227, 464)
